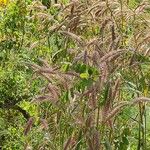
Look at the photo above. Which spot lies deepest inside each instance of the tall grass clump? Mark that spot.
(97, 75)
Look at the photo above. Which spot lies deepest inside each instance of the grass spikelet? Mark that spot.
(28, 125)
(141, 8)
(74, 37)
(45, 63)
(96, 138)
(37, 5)
(119, 107)
(40, 99)
(111, 55)
(54, 91)
(89, 141)
(115, 111)
(68, 142)
(44, 124)
(104, 74)
(46, 98)
(46, 70)
(34, 45)
(140, 100)
(104, 23)
(115, 88)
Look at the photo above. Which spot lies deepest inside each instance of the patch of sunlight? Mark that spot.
(3, 3)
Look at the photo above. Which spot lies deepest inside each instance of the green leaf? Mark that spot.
(107, 145)
(79, 140)
(84, 75)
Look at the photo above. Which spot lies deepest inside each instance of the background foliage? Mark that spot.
(74, 75)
